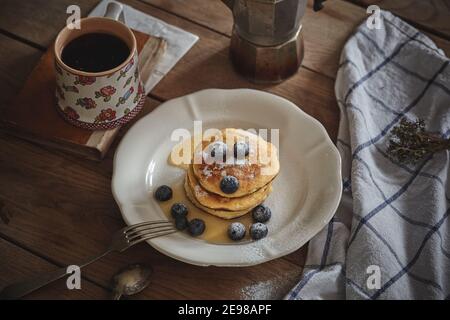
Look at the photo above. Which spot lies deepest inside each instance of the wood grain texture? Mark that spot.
(16, 62)
(67, 228)
(430, 15)
(323, 40)
(17, 264)
(325, 32)
(62, 208)
(38, 18)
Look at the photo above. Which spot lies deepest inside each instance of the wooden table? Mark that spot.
(56, 209)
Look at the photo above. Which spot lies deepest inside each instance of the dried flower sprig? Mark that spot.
(409, 142)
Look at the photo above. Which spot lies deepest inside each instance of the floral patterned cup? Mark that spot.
(100, 100)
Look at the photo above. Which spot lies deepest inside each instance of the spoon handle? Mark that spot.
(20, 289)
(117, 293)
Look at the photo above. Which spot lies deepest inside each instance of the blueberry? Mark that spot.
(218, 148)
(229, 184)
(258, 231)
(196, 227)
(261, 213)
(179, 210)
(181, 223)
(236, 231)
(241, 150)
(163, 193)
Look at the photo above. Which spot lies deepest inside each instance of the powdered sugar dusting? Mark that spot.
(199, 191)
(207, 172)
(220, 166)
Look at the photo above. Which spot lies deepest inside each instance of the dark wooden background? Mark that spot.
(56, 209)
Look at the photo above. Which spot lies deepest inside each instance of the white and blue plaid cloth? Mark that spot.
(393, 220)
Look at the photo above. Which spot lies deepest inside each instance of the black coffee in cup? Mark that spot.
(95, 52)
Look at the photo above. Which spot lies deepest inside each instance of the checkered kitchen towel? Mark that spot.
(393, 219)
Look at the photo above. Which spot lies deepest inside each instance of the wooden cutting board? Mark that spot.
(32, 115)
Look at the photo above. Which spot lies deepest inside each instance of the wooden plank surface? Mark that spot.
(325, 32)
(61, 207)
(67, 229)
(16, 62)
(38, 18)
(17, 264)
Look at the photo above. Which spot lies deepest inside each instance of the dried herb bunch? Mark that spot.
(410, 142)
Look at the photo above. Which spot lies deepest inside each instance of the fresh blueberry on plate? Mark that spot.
(196, 227)
(258, 231)
(163, 193)
(229, 184)
(179, 210)
(236, 231)
(181, 223)
(261, 213)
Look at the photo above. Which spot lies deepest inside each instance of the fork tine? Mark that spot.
(149, 230)
(151, 237)
(157, 222)
(147, 227)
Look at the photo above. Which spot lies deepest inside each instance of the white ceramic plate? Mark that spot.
(305, 194)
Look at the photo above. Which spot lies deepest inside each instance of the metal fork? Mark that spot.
(121, 241)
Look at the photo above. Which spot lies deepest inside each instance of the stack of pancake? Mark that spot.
(254, 173)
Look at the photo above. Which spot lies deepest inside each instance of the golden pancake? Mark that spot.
(214, 201)
(253, 172)
(218, 213)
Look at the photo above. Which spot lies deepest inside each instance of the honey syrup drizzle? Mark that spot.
(216, 230)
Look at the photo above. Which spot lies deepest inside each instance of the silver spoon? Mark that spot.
(131, 280)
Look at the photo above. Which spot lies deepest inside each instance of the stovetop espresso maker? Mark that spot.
(267, 41)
